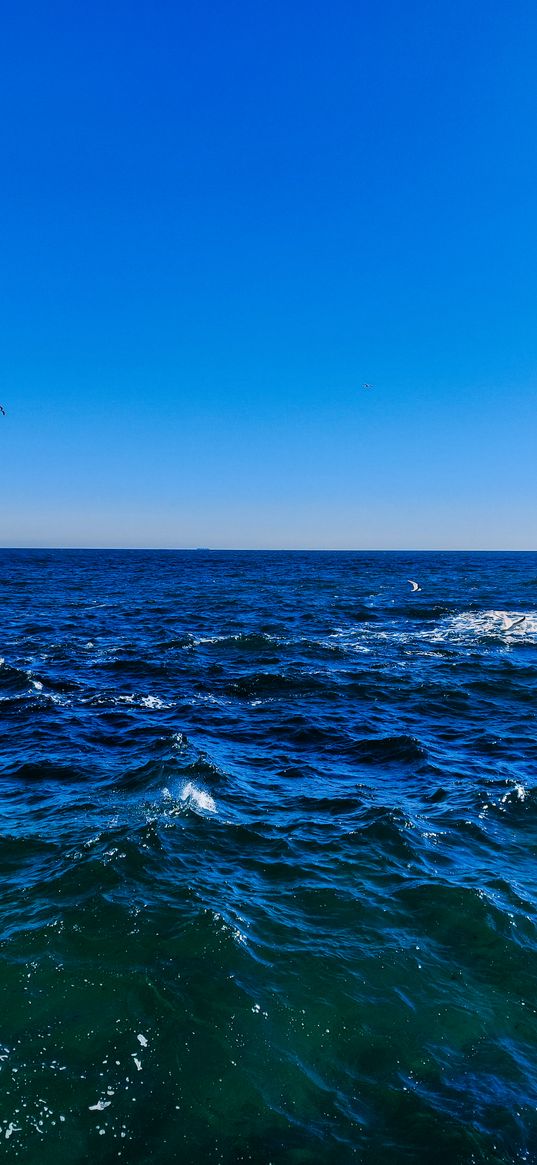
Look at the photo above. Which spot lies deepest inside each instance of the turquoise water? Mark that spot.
(267, 846)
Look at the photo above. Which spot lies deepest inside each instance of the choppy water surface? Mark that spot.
(268, 835)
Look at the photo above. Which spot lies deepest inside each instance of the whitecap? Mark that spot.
(518, 789)
(152, 702)
(210, 639)
(209, 699)
(198, 799)
(489, 624)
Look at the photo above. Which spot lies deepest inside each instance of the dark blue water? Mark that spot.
(268, 840)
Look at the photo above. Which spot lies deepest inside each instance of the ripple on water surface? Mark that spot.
(268, 832)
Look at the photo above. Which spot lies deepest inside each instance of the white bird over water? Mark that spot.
(414, 585)
(507, 623)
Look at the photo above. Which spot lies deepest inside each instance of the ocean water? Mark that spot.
(268, 827)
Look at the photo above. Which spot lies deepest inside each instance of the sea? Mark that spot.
(268, 879)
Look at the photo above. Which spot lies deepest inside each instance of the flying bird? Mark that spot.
(2, 410)
(507, 624)
(365, 385)
(414, 585)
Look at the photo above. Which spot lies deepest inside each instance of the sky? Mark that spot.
(218, 220)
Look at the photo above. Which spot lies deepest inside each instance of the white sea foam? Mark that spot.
(152, 702)
(463, 628)
(190, 796)
(234, 638)
(485, 624)
(346, 638)
(520, 791)
(210, 639)
(198, 699)
(179, 740)
(198, 799)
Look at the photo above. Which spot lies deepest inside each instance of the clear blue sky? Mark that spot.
(217, 220)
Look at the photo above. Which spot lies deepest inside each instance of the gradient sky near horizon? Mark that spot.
(218, 220)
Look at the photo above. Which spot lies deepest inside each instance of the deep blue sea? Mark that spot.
(268, 858)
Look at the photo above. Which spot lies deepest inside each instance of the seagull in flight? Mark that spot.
(366, 385)
(415, 586)
(507, 624)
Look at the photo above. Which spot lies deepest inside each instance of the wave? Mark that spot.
(109, 700)
(487, 625)
(197, 799)
(247, 641)
(44, 772)
(387, 750)
(275, 683)
(13, 679)
(264, 826)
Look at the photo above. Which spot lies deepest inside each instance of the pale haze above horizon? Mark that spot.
(218, 224)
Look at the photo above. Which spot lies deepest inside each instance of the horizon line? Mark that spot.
(285, 549)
